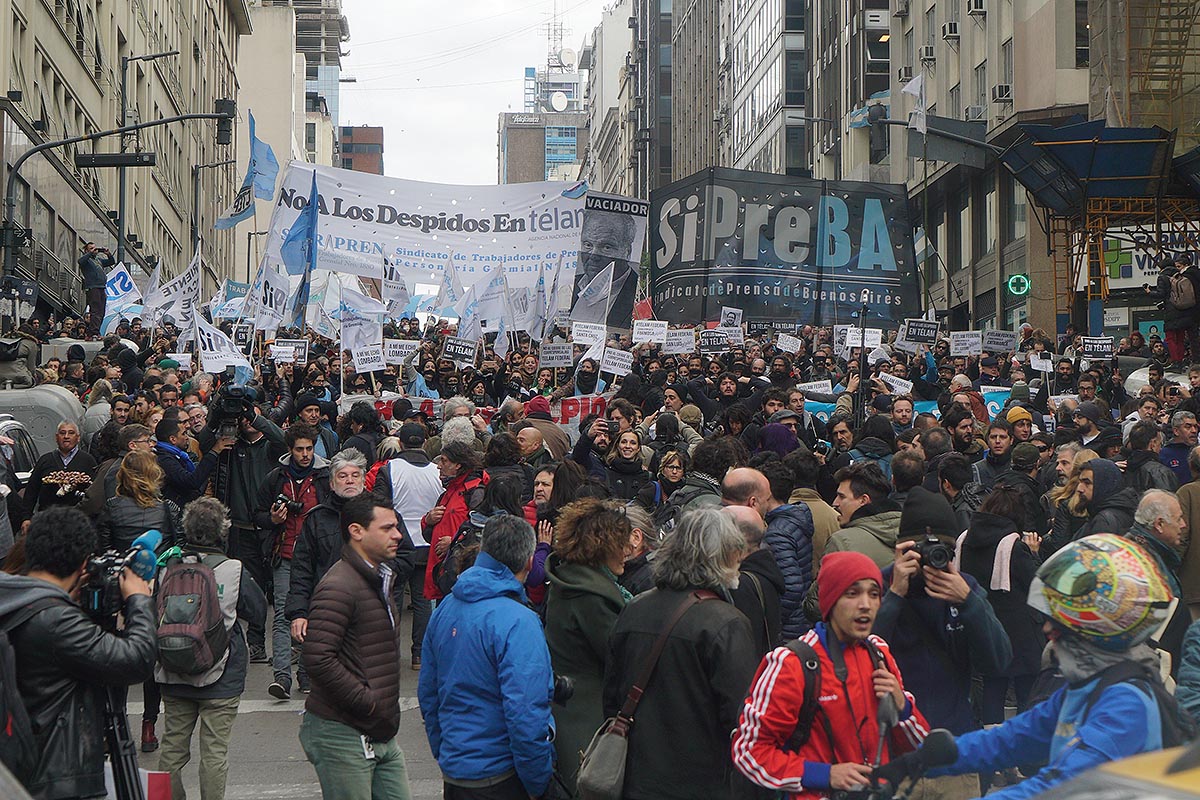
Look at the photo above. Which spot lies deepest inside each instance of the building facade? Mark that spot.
(650, 104)
(696, 51)
(362, 148)
(62, 78)
(541, 147)
(605, 60)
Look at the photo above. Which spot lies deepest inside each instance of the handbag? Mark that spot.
(602, 770)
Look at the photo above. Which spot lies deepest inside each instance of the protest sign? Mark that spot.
(588, 332)
(243, 336)
(966, 343)
(999, 341)
(368, 359)
(985, 389)
(713, 342)
(902, 344)
(1096, 347)
(183, 359)
(1041, 362)
(649, 330)
(820, 387)
(920, 331)
(897, 385)
(460, 350)
(788, 343)
(730, 317)
(855, 336)
(396, 350)
(840, 333)
(299, 350)
(216, 350)
(680, 342)
(283, 354)
(735, 335)
(618, 362)
(555, 355)
(877, 355)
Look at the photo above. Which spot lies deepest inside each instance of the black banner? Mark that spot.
(782, 249)
(460, 350)
(1096, 347)
(713, 342)
(921, 331)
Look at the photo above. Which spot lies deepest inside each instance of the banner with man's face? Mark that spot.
(781, 249)
(613, 232)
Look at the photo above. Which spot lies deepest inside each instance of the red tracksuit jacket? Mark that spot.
(773, 707)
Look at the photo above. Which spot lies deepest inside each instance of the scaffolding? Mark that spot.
(1163, 41)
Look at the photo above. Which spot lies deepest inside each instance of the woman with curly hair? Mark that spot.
(584, 601)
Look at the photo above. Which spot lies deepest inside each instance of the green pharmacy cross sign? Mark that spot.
(1018, 285)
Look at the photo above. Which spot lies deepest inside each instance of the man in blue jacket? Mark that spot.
(486, 681)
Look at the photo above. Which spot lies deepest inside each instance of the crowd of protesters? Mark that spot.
(894, 548)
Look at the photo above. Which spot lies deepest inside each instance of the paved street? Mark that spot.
(265, 757)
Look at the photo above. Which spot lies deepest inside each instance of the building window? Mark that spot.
(981, 87)
(310, 136)
(796, 72)
(793, 15)
(796, 156)
(1016, 209)
(347, 163)
(1007, 72)
(931, 31)
(1083, 43)
(910, 52)
(954, 100)
(985, 216)
(964, 230)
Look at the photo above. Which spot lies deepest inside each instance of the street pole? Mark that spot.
(861, 415)
(10, 189)
(249, 246)
(196, 197)
(124, 120)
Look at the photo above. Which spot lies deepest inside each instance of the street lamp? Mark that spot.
(249, 246)
(125, 62)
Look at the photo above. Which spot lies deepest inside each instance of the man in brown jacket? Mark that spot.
(352, 657)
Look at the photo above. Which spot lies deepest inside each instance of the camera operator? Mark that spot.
(239, 475)
(64, 658)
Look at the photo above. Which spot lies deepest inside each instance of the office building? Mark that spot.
(63, 77)
(650, 102)
(362, 148)
(605, 58)
(695, 62)
(541, 147)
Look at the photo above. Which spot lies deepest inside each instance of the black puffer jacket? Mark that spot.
(122, 520)
(63, 661)
(626, 477)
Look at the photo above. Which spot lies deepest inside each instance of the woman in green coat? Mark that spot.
(590, 541)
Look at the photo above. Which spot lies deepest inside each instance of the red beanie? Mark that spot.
(839, 571)
(537, 405)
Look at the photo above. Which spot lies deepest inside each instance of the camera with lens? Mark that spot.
(934, 553)
(100, 595)
(821, 447)
(232, 404)
(292, 506)
(564, 689)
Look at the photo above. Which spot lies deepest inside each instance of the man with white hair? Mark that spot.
(1158, 527)
(49, 483)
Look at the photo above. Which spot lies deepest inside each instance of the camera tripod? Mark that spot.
(127, 784)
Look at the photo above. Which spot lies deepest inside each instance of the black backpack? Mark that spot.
(1178, 727)
(812, 686)
(18, 749)
(666, 516)
(10, 349)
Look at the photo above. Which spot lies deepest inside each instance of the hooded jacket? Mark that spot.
(758, 593)
(1024, 625)
(789, 537)
(1144, 471)
(486, 681)
(1031, 500)
(872, 531)
(1111, 507)
(63, 660)
(991, 467)
(874, 449)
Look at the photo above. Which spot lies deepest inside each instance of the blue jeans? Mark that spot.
(282, 658)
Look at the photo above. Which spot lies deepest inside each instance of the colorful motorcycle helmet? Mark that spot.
(1103, 588)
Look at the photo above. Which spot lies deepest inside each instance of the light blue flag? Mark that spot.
(299, 252)
(260, 182)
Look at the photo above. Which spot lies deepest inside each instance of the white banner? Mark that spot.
(365, 218)
(680, 342)
(1000, 341)
(216, 350)
(897, 385)
(120, 289)
(618, 362)
(178, 297)
(368, 359)
(966, 343)
(649, 330)
(396, 350)
(788, 343)
(821, 387)
(555, 355)
(587, 332)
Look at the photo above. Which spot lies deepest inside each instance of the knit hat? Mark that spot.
(1025, 457)
(882, 403)
(412, 434)
(926, 513)
(691, 416)
(537, 405)
(168, 363)
(1020, 392)
(306, 400)
(1016, 414)
(1089, 410)
(840, 570)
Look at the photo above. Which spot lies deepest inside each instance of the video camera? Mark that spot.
(100, 596)
(233, 404)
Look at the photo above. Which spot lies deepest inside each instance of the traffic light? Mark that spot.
(228, 110)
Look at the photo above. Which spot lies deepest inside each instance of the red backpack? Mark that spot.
(192, 637)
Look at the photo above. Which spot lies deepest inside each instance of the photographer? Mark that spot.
(94, 264)
(64, 658)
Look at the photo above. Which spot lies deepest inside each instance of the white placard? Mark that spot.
(588, 332)
(897, 385)
(283, 354)
(1057, 399)
(840, 335)
(985, 389)
(184, 359)
(555, 355)
(368, 359)
(1116, 316)
(618, 362)
(820, 387)
(649, 330)
(902, 344)
(877, 355)
(730, 317)
(966, 343)
(1041, 363)
(735, 335)
(396, 350)
(788, 343)
(299, 349)
(1000, 341)
(855, 335)
(680, 342)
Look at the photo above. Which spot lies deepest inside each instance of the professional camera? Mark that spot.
(232, 405)
(934, 553)
(822, 447)
(564, 689)
(100, 596)
(292, 506)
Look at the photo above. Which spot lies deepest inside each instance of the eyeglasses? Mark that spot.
(1041, 448)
